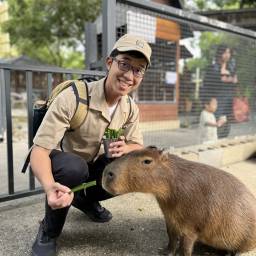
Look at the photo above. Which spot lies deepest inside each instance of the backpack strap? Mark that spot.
(129, 99)
(82, 98)
(57, 90)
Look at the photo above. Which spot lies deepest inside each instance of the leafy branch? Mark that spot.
(113, 133)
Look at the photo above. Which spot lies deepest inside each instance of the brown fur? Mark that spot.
(199, 202)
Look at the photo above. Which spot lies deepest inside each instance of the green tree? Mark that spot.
(51, 30)
(245, 58)
(207, 43)
(220, 4)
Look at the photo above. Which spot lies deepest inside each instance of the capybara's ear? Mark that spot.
(155, 149)
(152, 147)
(164, 154)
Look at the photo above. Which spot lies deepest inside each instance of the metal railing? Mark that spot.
(7, 76)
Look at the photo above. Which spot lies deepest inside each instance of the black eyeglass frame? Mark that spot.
(130, 67)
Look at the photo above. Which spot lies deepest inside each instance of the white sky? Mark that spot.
(192, 44)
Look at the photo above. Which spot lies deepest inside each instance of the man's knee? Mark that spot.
(69, 168)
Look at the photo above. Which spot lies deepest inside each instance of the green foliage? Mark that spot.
(47, 29)
(208, 44)
(201, 4)
(223, 4)
(73, 59)
(192, 64)
(113, 134)
(244, 55)
(246, 63)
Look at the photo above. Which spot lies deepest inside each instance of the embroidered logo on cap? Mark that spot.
(140, 43)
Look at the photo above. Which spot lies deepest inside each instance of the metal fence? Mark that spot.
(20, 87)
(194, 60)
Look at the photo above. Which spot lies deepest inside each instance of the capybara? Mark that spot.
(199, 202)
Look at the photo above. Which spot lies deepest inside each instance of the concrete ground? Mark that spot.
(137, 227)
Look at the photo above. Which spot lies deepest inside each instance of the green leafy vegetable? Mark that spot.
(113, 133)
(83, 186)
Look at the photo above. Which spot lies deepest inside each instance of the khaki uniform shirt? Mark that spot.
(87, 139)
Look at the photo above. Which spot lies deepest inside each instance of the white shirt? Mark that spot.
(208, 133)
(111, 110)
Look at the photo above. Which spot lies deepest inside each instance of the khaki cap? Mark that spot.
(129, 42)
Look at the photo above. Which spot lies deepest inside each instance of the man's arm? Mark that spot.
(57, 194)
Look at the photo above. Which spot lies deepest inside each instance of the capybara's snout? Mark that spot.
(109, 175)
(108, 178)
(115, 177)
(112, 180)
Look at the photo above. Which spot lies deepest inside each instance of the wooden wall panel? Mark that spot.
(167, 30)
(157, 112)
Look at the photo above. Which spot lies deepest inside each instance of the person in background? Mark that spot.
(221, 80)
(208, 124)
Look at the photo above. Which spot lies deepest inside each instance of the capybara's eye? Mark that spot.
(147, 161)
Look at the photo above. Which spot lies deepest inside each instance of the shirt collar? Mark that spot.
(98, 101)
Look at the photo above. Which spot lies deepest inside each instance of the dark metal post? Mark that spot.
(49, 84)
(29, 106)
(2, 105)
(68, 76)
(30, 121)
(7, 82)
(108, 27)
(90, 44)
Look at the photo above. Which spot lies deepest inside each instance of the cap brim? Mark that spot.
(126, 49)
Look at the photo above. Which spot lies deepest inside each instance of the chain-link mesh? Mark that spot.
(193, 65)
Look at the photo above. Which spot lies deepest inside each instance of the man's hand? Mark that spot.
(58, 196)
(118, 148)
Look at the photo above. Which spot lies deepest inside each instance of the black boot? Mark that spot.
(93, 210)
(97, 213)
(44, 245)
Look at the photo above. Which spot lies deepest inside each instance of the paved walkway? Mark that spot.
(137, 228)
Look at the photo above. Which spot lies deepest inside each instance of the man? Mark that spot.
(83, 159)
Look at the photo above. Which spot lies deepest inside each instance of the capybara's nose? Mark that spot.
(110, 175)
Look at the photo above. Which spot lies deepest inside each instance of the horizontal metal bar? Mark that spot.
(52, 69)
(182, 16)
(20, 194)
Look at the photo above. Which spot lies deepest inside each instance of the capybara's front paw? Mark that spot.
(232, 254)
(166, 252)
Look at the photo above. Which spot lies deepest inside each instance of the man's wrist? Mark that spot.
(49, 187)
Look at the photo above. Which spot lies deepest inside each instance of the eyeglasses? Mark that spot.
(125, 66)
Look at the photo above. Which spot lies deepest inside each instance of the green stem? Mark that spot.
(83, 186)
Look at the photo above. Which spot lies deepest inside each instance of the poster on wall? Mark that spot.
(170, 77)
